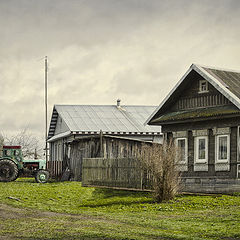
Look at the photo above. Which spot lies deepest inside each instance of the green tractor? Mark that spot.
(12, 165)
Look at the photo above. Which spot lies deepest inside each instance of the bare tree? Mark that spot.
(29, 143)
(160, 161)
(1, 143)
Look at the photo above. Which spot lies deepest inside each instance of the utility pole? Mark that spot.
(46, 107)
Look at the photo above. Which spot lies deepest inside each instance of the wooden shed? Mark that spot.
(202, 115)
(90, 131)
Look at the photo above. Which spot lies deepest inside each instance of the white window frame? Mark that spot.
(238, 144)
(238, 171)
(186, 149)
(200, 86)
(217, 149)
(196, 148)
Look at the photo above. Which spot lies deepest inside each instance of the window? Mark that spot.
(203, 86)
(238, 171)
(222, 148)
(182, 149)
(201, 149)
(7, 152)
(238, 144)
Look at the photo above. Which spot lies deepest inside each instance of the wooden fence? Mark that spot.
(121, 173)
(55, 168)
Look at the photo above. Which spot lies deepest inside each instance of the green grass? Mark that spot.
(68, 211)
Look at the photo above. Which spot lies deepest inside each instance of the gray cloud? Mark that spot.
(99, 51)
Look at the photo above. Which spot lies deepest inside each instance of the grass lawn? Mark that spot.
(68, 211)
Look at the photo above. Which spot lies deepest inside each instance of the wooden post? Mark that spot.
(101, 143)
(46, 107)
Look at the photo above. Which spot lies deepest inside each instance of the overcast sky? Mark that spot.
(101, 50)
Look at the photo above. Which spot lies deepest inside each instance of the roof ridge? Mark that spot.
(104, 105)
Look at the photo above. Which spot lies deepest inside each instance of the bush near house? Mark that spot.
(160, 161)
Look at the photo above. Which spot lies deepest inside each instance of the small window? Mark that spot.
(222, 148)
(182, 149)
(201, 149)
(238, 171)
(17, 152)
(203, 86)
(7, 152)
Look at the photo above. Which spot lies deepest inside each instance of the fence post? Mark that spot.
(101, 143)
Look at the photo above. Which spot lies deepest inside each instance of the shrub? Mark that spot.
(160, 161)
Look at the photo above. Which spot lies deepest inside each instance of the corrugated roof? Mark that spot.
(108, 118)
(231, 79)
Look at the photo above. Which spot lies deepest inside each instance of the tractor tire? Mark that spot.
(8, 170)
(42, 176)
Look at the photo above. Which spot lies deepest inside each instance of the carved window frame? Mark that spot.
(238, 144)
(227, 160)
(186, 149)
(196, 149)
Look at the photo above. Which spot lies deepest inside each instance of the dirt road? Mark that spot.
(28, 224)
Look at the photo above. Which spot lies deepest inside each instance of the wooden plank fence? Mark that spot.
(55, 168)
(121, 173)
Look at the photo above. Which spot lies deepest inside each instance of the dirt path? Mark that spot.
(23, 223)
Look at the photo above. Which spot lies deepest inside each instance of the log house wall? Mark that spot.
(90, 148)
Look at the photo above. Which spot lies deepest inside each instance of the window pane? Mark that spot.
(201, 149)
(204, 86)
(181, 147)
(222, 147)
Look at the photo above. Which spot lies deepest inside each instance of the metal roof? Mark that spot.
(225, 81)
(110, 119)
(230, 78)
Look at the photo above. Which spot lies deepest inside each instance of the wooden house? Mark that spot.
(91, 131)
(202, 115)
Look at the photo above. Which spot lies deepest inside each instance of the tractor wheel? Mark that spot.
(42, 176)
(8, 170)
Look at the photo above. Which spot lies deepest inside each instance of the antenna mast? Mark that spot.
(46, 107)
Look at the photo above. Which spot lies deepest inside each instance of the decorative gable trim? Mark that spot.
(180, 134)
(219, 85)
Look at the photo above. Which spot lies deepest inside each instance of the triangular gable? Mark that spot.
(208, 74)
(57, 124)
(61, 126)
(53, 123)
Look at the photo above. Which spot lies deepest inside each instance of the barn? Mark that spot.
(202, 115)
(91, 131)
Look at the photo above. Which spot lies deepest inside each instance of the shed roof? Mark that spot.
(196, 114)
(227, 82)
(108, 118)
